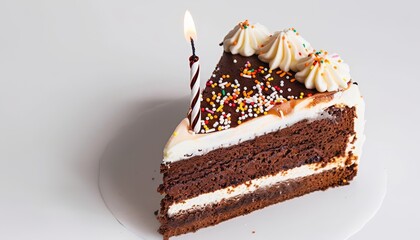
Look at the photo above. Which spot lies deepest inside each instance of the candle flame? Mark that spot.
(189, 27)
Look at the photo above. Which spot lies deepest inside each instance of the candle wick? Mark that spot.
(192, 46)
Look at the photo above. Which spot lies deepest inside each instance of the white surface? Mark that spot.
(128, 182)
(72, 72)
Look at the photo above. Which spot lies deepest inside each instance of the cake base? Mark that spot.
(227, 209)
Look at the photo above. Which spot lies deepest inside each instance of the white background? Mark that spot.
(72, 72)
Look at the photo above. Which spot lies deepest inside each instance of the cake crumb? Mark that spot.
(153, 179)
(253, 232)
(155, 212)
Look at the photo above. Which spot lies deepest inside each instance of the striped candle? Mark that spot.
(195, 113)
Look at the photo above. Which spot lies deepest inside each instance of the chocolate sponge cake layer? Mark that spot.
(305, 142)
(213, 214)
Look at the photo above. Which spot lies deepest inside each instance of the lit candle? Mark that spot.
(194, 114)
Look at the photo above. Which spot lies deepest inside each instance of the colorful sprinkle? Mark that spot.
(258, 97)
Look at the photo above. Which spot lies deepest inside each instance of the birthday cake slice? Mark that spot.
(278, 120)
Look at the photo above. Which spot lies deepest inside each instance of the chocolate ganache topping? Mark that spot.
(242, 88)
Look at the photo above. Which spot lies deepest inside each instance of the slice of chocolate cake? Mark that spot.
(278, 120)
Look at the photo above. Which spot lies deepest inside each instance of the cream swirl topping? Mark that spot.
(283, 49)
(245, 39)
(323, 71)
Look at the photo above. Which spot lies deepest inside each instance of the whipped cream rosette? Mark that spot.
(283, 50)
(323, 71)
(245, 39)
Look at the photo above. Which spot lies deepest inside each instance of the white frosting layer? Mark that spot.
(245, 39)
(323, 71)
(283, 50)
(185, 144)
(266, 181)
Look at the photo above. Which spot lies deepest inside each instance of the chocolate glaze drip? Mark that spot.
(275, 84)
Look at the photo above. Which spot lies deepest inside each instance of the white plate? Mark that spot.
(129, 177)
